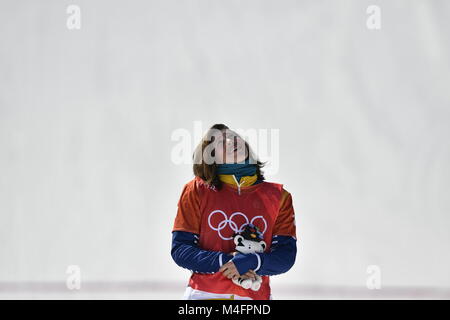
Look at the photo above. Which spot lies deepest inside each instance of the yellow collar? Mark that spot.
(245, 180)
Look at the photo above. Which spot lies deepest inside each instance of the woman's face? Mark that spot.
(230, 148)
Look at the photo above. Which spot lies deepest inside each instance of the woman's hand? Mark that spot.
(229, 270)
(249, 275)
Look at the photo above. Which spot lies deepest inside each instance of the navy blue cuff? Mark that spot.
(225, 258)
(280, 258)
(245, 262)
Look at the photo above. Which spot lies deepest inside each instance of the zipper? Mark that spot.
(238, 185)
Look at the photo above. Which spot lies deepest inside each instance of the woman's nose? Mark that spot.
(230, 142)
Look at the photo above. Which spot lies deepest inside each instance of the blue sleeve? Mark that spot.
(187, 254)
(281, 257)
(279, 260)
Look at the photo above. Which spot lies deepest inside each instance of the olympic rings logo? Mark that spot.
(233, 225)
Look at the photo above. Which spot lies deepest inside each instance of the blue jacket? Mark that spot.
(187, 254)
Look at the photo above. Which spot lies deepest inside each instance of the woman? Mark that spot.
(228, 193)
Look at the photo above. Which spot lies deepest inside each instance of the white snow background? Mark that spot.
(86, 117)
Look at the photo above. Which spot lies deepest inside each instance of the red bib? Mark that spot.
(225, 212)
